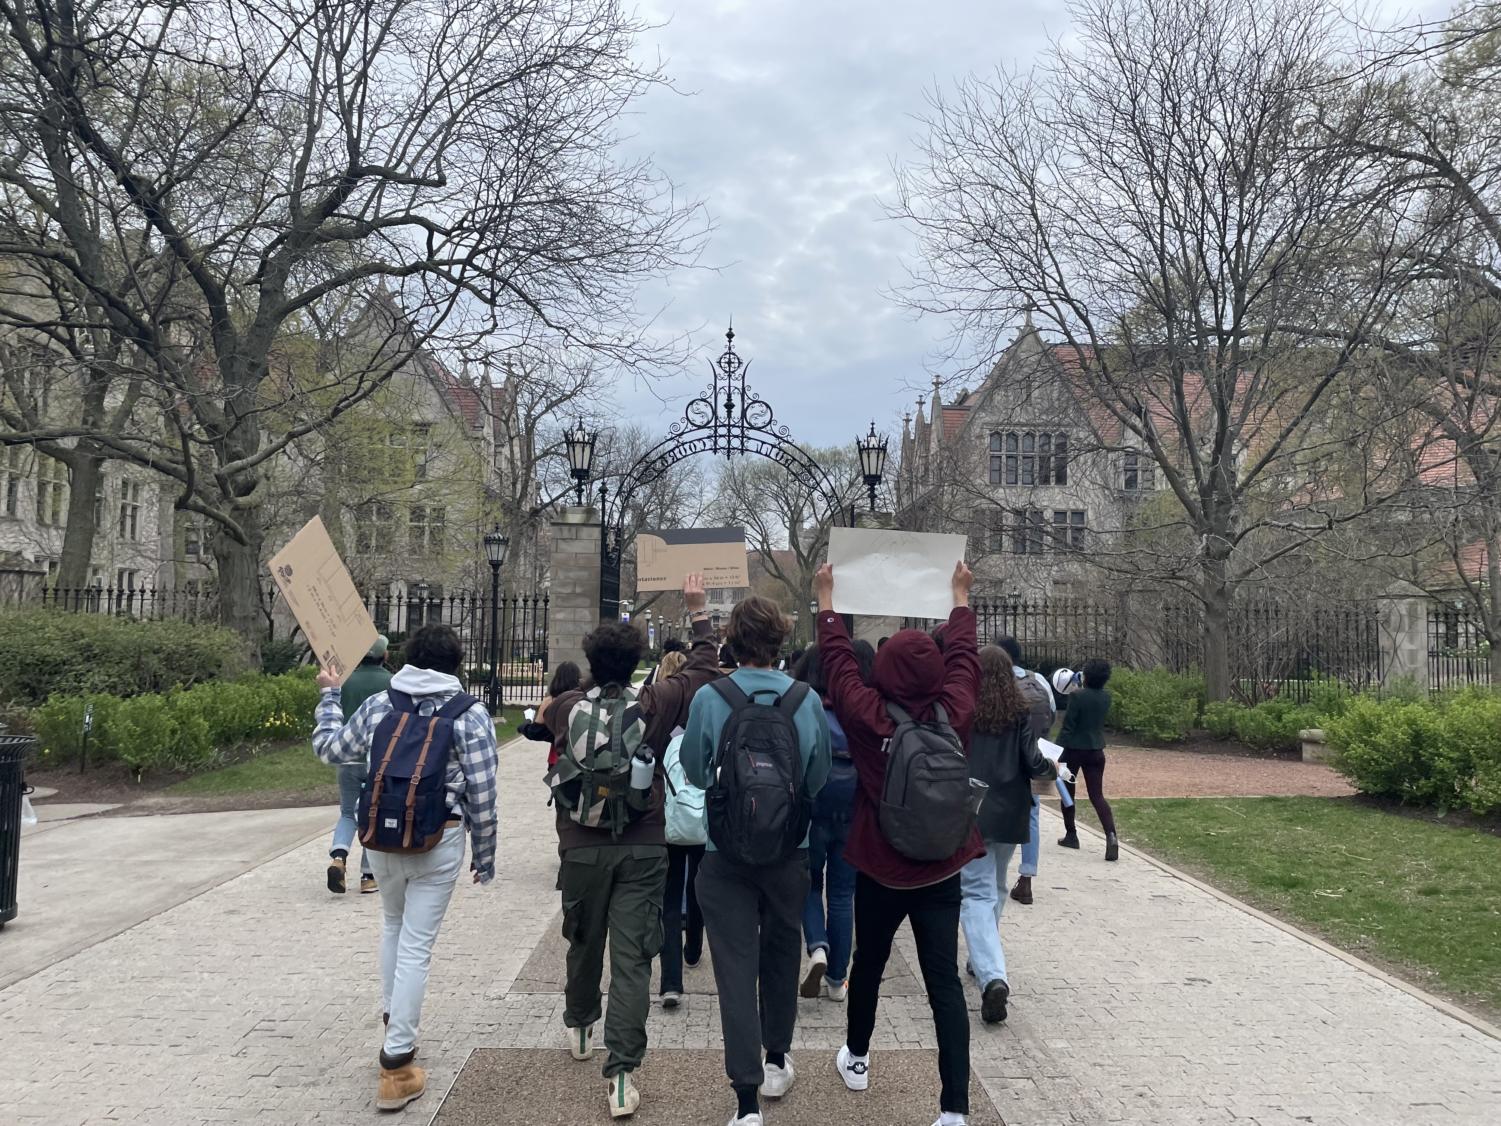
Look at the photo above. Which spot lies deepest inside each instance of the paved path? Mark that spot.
(1139, 998)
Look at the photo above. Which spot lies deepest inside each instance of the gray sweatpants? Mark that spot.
(754, 920)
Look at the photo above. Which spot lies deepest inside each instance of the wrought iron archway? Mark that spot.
(727, 419)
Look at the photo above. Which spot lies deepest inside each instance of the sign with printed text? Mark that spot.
(664, 559)
(322, 596)
(885, 572)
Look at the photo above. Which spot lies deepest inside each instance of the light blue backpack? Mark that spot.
(686, 824)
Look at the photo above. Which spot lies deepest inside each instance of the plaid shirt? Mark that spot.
(471, 764)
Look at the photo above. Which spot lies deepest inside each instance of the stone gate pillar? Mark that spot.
(1403, 623)
(574, 607)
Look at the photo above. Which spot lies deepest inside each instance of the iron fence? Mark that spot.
(193, 604)
(1281, 649)
(1051, 631)
(1458, 653)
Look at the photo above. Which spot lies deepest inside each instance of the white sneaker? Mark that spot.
(624, 1098)
(581, 1042)
(818, 965)
(836, 992)
(948, 1118)
(748, 1120)
(671, 1000)
(777, 1081)
(854, 1070)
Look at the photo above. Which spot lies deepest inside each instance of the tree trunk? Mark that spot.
(1215, 592)
(239, 567)
(84, 474)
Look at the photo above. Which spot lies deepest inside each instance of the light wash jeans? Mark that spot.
(1033, 846)
(414, 894)
(983, 884)
(351, 777)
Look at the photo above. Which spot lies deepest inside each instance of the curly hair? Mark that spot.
(1000, 703)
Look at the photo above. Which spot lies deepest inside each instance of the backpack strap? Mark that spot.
(456, 706)
(401, 701)
(897, 713)
(731, 692)
(379, 772)
(940, 715)
(793, 699)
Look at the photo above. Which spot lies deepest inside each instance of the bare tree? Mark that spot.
(1157, 197)
(287, 166)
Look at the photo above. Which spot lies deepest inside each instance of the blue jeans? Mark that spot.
(1033, 846)
(834, 931)
(351, 778)
(983, 884)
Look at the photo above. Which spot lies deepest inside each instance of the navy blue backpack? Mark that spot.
(404, 801)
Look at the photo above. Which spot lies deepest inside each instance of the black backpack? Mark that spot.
(403, 805)
(926, 812)
(757, 810)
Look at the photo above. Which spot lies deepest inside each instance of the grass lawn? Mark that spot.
(289, 769)
(1423, 899)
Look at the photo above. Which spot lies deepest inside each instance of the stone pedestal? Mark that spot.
(1404, 638)
(574, 607)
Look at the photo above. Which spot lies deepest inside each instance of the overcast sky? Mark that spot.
(788, 117)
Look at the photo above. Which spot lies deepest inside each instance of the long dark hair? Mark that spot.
(1000, 703)
(565, 678)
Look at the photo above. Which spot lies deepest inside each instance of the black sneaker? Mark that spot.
(993, 1002)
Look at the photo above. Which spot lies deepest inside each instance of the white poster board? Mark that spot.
(322, 596)
(888, 573)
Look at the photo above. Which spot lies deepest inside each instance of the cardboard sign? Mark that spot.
(664, 559)
(894, 574)
(322, 596)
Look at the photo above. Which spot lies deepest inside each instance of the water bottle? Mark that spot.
(643, 766)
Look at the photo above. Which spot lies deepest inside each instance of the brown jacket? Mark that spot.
(665, 706)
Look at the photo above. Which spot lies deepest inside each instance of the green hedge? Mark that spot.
(1274, 724)
(1444, 752)
(184, 730)
(51, 652)
(1154, 703)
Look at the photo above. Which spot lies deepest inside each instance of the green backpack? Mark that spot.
(591, 781)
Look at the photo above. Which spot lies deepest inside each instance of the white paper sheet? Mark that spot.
(899, 574)
(1051, 751)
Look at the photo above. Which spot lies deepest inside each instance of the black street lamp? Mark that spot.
(872, 450)
(580, 456)
(496, 544)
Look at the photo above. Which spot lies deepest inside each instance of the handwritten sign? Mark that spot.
(664, 559)
(322, 596)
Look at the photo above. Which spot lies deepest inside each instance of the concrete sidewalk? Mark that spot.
(83, 881)
(1138, 997)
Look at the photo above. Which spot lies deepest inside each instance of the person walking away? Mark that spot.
(1043, 710)
(565, 678)
(1083, 739)
(829, 928)
(368, 678)
(607, 788)
(665, 705)
(432, 756)
(758, 743)
(1003, 754)
(918, 699)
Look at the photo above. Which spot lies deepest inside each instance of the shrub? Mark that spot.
(1155, 703)
(1222, 718)
(48, 652)
(280, 655)
(1274, 724)
(184, 730)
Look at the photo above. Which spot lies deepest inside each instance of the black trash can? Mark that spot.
(13, 752)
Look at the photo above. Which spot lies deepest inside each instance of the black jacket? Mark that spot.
(1007, 763)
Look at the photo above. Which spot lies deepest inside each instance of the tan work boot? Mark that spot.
(399, 1086)
(336, 875)
(368, 886)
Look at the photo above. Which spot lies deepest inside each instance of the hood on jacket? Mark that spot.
(909, 671)
(425, 682)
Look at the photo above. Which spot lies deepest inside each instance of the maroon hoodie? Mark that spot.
(912, 673)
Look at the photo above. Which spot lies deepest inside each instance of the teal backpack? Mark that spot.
(685, 802)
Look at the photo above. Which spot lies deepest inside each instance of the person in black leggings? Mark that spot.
(1083, 740)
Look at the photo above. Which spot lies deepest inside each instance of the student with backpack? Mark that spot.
(758, 744)
(368, 678)
(829, 928)
(1003, 754)
(431, 750)
(606, 785)
(1042, 710)
(912, 829)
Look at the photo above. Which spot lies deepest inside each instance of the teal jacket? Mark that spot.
(709, 711)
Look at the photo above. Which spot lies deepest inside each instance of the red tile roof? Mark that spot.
(953, 420)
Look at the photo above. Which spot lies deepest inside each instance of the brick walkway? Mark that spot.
(1137, 998)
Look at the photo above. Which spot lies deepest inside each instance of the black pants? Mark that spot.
(1091, 764)
(682, 870)
(934, 913)
(754, 917)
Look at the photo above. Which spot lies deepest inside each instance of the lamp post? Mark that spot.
(496, 544)
(421, 591)
(580, 443)
(872, 450)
